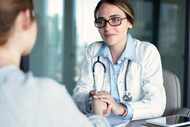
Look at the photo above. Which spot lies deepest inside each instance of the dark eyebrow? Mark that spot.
(100, 18)
(115, 15)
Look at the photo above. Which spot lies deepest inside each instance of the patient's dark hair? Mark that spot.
(122, 4)
(9, 10)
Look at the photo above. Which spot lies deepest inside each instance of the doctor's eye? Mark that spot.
(115, 20)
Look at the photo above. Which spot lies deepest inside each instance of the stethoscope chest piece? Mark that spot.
(127, 97)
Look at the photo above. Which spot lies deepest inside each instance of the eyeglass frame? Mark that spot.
(108, 21)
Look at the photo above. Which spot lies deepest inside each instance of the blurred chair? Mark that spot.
(173, 95)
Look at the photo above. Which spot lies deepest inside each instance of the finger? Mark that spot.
(96, 97)
(105, 100)
(102, 92)
(108, 110)
(105, 97)
(101, 96)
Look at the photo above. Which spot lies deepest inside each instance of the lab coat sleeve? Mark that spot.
(85, 83)
(153, 98)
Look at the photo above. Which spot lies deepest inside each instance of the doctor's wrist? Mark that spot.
(124, 111)
(119, 109)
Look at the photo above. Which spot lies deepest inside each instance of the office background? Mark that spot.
(66, 28)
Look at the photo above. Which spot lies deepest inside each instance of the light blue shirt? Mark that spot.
(115, 69)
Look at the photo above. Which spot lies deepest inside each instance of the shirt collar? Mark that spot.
(129, 52)
(105, 52)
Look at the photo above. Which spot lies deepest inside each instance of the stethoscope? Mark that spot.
(127, 95)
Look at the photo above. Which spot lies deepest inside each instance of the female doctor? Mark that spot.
(121, 75)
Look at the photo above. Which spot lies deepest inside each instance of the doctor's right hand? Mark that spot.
(98, 107)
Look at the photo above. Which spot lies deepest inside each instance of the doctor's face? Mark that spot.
(112, 24)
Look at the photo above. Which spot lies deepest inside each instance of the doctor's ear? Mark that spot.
(130, 26)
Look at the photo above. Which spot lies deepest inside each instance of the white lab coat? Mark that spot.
(144, 80)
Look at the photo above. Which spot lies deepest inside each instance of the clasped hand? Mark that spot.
(103, 104)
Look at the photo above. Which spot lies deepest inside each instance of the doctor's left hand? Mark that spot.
(113, 106)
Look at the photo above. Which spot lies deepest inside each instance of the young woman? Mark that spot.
(25, 100)
(121, 75)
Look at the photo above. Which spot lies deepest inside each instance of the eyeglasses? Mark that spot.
(101, 22)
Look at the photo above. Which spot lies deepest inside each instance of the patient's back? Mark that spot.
(27, 101)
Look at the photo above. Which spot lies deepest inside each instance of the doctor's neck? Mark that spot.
(117, 50)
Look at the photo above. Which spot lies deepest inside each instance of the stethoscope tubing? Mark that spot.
(98, 61)
(93, 71)
(127, 96)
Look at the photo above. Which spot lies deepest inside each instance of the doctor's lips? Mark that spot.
(108, 35)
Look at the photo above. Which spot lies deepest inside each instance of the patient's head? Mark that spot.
(17, 24)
